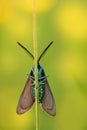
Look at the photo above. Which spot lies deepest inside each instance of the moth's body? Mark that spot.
(27, 97)
(41, 81)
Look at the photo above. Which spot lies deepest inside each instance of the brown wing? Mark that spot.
(26, 99)
(48, 102)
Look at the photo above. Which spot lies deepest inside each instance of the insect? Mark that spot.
(27, 97)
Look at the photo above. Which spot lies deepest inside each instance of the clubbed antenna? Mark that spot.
(29, 53)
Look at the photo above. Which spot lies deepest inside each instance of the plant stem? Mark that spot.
(35, 64)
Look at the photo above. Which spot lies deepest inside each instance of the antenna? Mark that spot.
(44, 51)
(27, 51)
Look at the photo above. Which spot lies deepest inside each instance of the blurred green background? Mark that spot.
(64, 22)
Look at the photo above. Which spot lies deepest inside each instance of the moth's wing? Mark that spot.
(48, 102)
(26, 99)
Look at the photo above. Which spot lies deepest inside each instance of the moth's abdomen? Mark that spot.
(41, 92)
(40, 89)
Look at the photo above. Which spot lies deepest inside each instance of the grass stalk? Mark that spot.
(35, 65)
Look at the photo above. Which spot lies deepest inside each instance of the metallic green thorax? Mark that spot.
(41, 80)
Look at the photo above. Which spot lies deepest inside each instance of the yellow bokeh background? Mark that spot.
(65, 63)
(72, 20)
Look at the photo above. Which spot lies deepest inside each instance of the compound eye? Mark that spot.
(32, 73)
(42, 73)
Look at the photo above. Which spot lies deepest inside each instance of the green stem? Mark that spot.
(35, 64)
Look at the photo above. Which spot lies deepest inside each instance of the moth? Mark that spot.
(27, 97)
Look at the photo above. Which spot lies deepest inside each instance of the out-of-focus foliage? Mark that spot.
(64, 22)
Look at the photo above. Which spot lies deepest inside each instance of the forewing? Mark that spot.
(26, 99)
(48, 102)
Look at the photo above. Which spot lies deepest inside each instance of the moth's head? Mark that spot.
(40, 71)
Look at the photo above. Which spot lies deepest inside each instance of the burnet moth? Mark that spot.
(27, 97)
